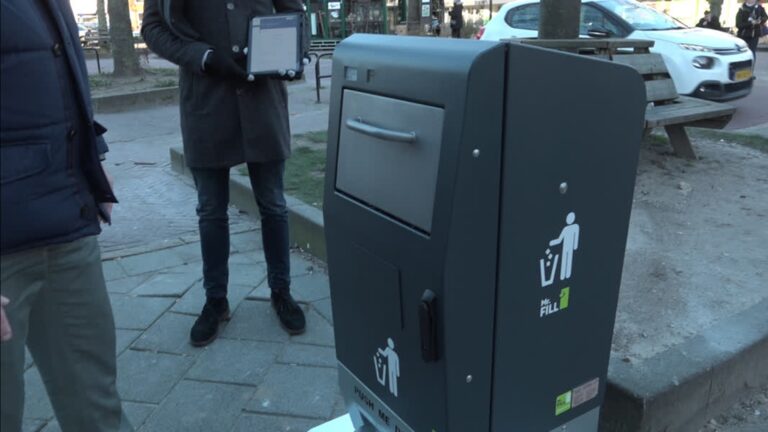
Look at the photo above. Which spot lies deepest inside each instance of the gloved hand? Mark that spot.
(224, 66)
(291, 74)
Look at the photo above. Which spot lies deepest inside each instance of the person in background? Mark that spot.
(750, 20)
(435, 24)
(53, 191)
(457, 19)
(710, 21)
(228, 118)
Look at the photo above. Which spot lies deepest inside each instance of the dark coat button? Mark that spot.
(71, 134)
(56, 48)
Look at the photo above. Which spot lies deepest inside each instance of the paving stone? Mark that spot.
(308, 355)
(255, 320)
(124, 339)
(52, 426)
(318, 332)
(247, 274)
(297, 390)
(32, 425)
(200, 406)
(324, 308)
(341, 407)
(148, 377)
(169, 334)
(170, 283)
(304, 288)
(136, 416)
(246, 241)
(301, 266)
(150, 262)
(138, 413)
(192, 302)
(247, 257)
(36, 403)
(28, 360)
(112, 270)
(261, 292)
(311, 287)
(126, 285)
(264, 423)
(189, 253)
(235, 361)
(137, 313)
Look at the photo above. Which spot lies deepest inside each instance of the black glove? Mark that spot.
(293, 74)
(224, 66)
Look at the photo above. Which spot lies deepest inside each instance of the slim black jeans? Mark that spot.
(212, 204)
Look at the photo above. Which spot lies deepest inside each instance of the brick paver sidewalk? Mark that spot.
(253, 378)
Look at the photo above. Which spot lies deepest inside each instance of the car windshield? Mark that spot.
(640, 17)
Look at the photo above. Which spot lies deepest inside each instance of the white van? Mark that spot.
(703, 63)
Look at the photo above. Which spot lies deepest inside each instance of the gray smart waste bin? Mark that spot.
(476, 211)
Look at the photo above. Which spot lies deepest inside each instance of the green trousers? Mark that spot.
(59, 309)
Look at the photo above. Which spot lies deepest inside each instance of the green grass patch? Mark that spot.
(304, 175)
(166, 82)
(100, 81)
(753, 141)
(319, 137)
(655, 140)
(163, 72)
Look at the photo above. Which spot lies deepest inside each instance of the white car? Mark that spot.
(703, 63)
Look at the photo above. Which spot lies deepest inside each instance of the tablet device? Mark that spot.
(275, 43)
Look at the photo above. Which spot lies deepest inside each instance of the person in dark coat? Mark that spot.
(710, 21)
(435, 23)
(53, 191)
(228, 118)
(457, 19)
(750, 20)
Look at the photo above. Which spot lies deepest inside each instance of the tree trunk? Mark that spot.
(121, 39)
(414, 17)
(559, 19)
(101, 15)
(716, 8)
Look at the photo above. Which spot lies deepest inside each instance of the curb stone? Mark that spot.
(140, 99)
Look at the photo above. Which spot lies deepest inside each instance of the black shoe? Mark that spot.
(206, 327)
(290, 314)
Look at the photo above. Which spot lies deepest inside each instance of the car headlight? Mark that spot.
(697, 48)
(703, 62)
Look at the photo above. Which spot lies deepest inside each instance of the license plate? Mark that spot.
(743, 74)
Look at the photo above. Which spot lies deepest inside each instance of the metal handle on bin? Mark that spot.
(358, 125)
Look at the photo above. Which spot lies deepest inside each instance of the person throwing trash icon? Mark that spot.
(392, 366)
(569, 238)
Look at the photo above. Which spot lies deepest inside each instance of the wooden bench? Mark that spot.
(665, 108)
(323, 45)
(319, 49)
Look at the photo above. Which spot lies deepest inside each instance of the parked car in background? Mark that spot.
(703, 63)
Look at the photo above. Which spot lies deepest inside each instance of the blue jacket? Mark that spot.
(51, 179)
